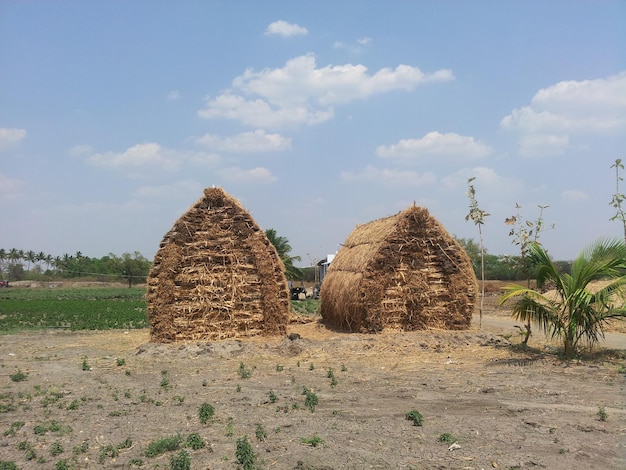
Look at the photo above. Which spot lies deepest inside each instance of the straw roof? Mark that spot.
(404, 272)
(215, 276)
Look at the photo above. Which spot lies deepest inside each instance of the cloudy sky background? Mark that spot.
(317, 116)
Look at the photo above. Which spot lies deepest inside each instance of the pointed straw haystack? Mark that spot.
(216, 276)
(404, 272)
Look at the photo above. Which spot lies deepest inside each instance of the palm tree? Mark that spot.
(575, 311)
(284, 248)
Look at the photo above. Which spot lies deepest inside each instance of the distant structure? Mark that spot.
(405, 272)
(216, 276)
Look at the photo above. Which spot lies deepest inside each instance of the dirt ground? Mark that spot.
(495, 404)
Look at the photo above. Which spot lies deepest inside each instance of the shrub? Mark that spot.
(180, 461)
(205, 413)
(416, 417)
(194, 441)
(163, 445)
(245, 453)
(18, 376)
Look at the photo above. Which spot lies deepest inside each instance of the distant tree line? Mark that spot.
(19, 265)
(503, 267)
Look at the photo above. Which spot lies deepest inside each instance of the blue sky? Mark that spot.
(317, 116)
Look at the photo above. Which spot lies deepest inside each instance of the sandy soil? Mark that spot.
(502, 406)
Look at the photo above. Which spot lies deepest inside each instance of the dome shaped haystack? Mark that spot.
(216, 276)
(404, 272)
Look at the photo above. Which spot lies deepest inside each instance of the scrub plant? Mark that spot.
(205, 413)
(194, 441)
(416, 417)
(618, 197)
(180, 461)
(574, 312)
(165, 444)
(243, 371)
(477, 215)
(311, 399)
(525, 232)
(245, 454)
(19, 376)
(313, 441)
(260, 433)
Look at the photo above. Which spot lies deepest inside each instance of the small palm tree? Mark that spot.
(284, 249)
(575, 311)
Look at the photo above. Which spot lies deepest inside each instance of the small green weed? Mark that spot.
(62, 465)
(245, 453)
(165, 444)
(56, 449)
(165, 381)
(8, 465)
(205, 413)
(279, 367)
(602, 414)
(416, 417)
(311, 399)
(244, 372)
(15, 426)
(229, 426)
(314, 441)
(311, 366)
(180, 461)
(194, 441)
(85, 365)
(260, 433)
(272, 396)
(120, 361)
(107, 451)
(447, 438)
(81, 449)
(19, 376)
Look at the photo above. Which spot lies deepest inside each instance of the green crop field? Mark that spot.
(72, 308)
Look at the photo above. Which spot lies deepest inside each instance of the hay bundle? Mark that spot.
(215, 276)
(403, 271)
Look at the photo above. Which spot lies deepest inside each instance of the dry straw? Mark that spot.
(216, 276)
(404, 272)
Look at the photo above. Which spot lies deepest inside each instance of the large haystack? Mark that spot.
(215, 276)
(403, 271)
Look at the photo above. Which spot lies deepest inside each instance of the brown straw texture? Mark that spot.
(216, 276)
(402, 272)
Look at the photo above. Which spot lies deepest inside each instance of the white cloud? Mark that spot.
(543, 145)
(570, 109)
(388, 176)
(435, 144)
(259, 113)
(302, 93)
(10, 188)
(257, 141)
(285, 29)
(179, 189)
(257, 175)
(353, 48)
(488, 183)
(576, 196)
(81, 150)
(173, 95)
(11, 136)
(151, 156)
